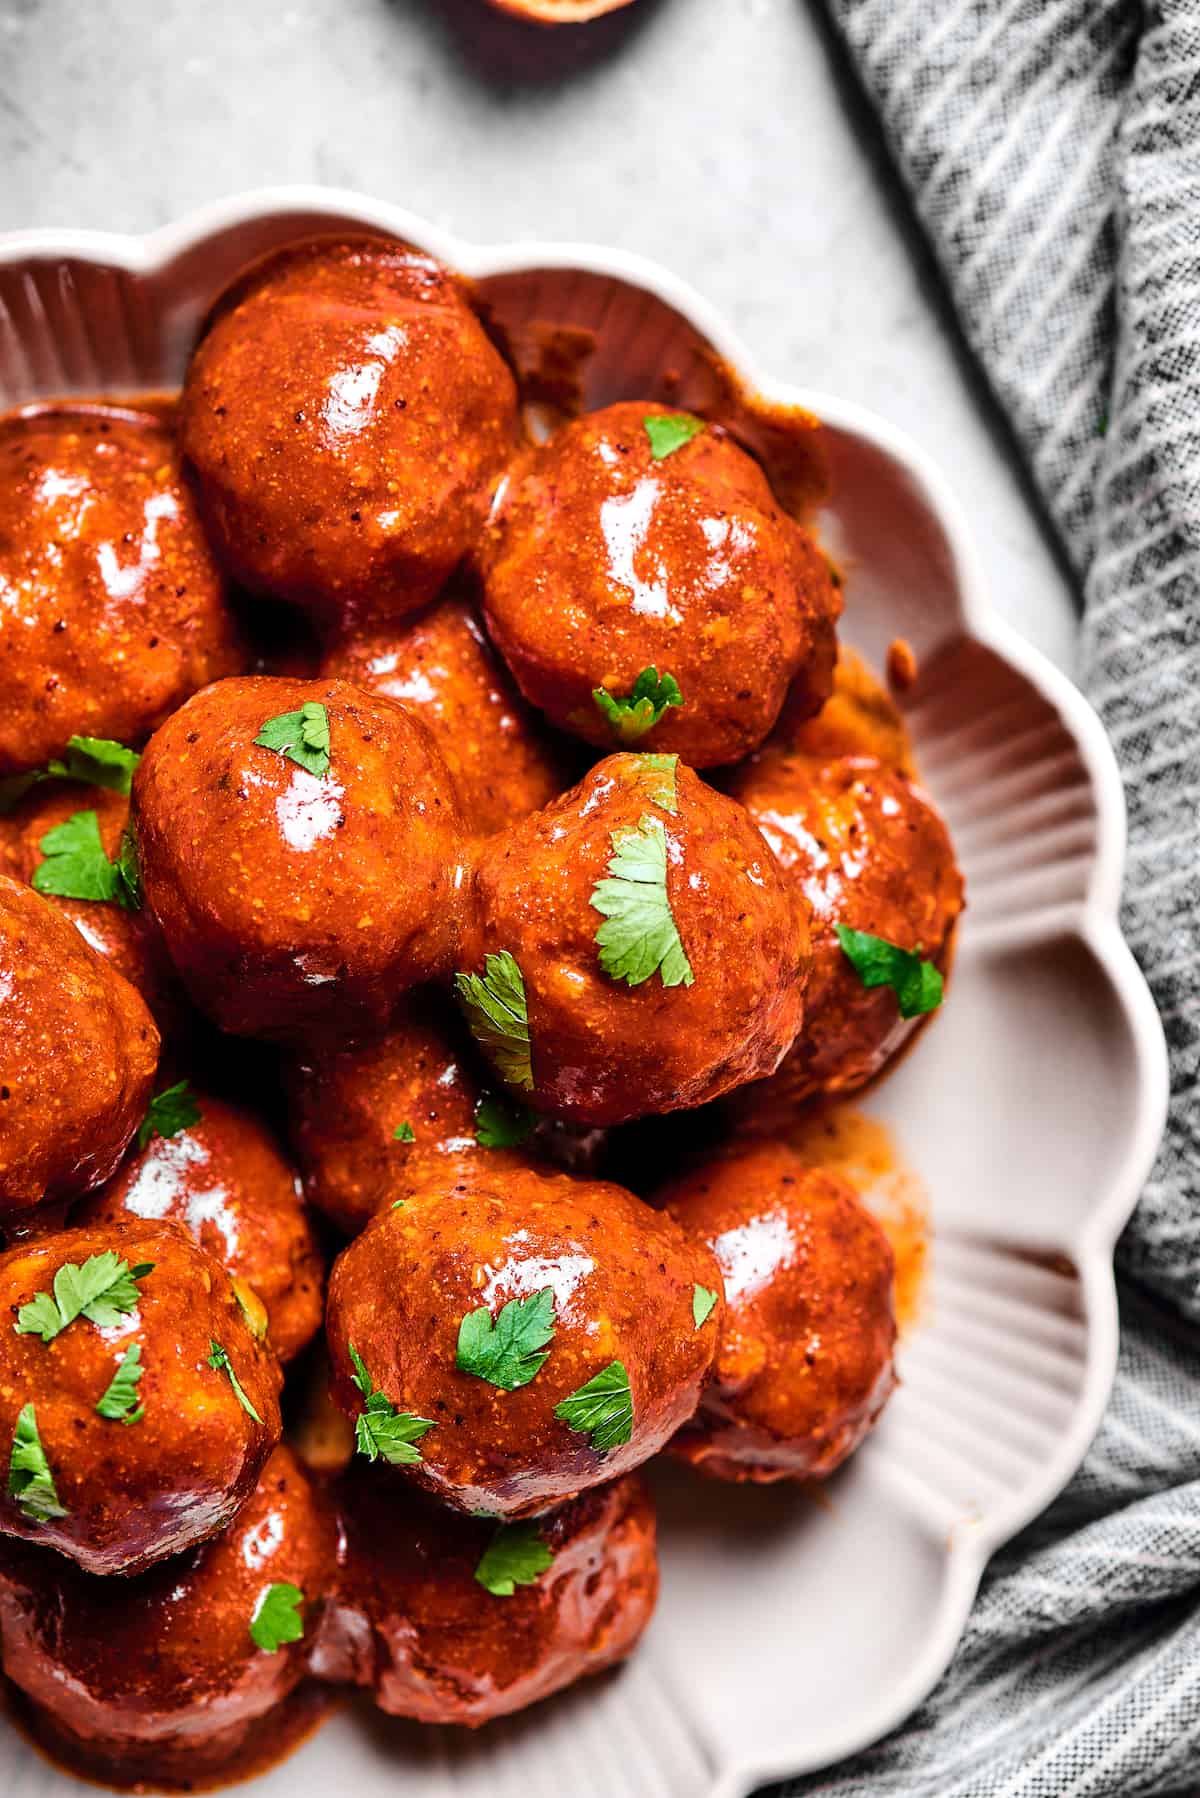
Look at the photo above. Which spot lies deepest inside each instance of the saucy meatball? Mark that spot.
(860, 717)
(347, 417)
(512, 1340)
(867, 850)
(306, 883)
(604, 557)
(78, 1050)
(164, 1677)
(224, 1181)
(804, 1350)
(442, 667)
(138, 1403)
(414, 1620)
(640, 950)
(114, 610)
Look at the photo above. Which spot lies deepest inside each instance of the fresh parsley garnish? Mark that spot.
(277, 1617)
(655, 776)
(97, 761)
(129, 873)
(670, 431)
(170, 1111)
(404, 1133)
(917, 984)
(302, 736)
(643, 706)
(602, 1409)
(515, 1556)
(702, 1305)
(507, 1353)
(119, 1402)
(640, 937)
(76, 867)
(381, 1430)
(219, 1361)
(103, 1290)
(498, 1015)
(501, 1123)
(30, 1480)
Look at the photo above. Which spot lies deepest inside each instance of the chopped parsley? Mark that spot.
(498, 1015)
(76, 867)
(119, 1402)
(302, 736)
(501, 1123)
(515, 1556)
(917, 984)
(381, 1430)
(97, 761)
(404, 1133)
(642, 708)
(219, 1361)
(30, 1480)
(170, 1111)
(507, 1353)
(703, 1302)
(277, 1617)
(670, 431)
(602, 1409)
(640, 937)
(103, 1290)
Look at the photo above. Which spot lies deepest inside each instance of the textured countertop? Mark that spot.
(722, 137)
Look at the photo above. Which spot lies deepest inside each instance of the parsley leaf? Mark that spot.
(603, 1408)
(404, 1133)
(515, 1556)
(670, 432)
(640, 937)
(129, 873)
(103, 1290)
(648, 699)
(381, 1430)
(501, 1124)
(655, 775)
(917, 984)
(98, 761)
(76, 866)
(506, 1353)
(302, 736)
(703, 1302)
(277, 1618)
(498, 1015)
(119, 1402)
(170, 1111)
(219, 1361)
(30, 1480)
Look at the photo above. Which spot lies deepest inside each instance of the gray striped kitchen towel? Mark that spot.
(1052, 151)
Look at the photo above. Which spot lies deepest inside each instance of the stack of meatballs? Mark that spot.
(401, 818)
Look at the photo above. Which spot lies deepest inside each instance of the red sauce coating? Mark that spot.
(860, 717)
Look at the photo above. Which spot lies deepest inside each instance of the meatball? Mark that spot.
(224, 1181)
(604, 558)
(804, 1351)
(128, 939)
(657, 953)
(347, 417)
(163, 1678)
(299, 885)
(78, 1050)
(138, 1402)
(867, 851)
(414, 1620)
(442, 667)
(114, 610)
(512, 1340)
(860, 717)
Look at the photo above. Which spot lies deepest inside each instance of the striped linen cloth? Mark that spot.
(1052, 151)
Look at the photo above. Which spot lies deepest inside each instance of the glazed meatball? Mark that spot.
(139, 1418)
(868, 851)
(224, 1181)
(442, 667)
(161, 1679)
(658, 954)
(534, 1334)
(600, 561)
(78, 1050)
(804, 1351)
(860, 717)
(291, 897)
(114, 610)
(414, 1620)
(347, 418)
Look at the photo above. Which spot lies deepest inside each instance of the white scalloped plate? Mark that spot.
(789, 1633)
